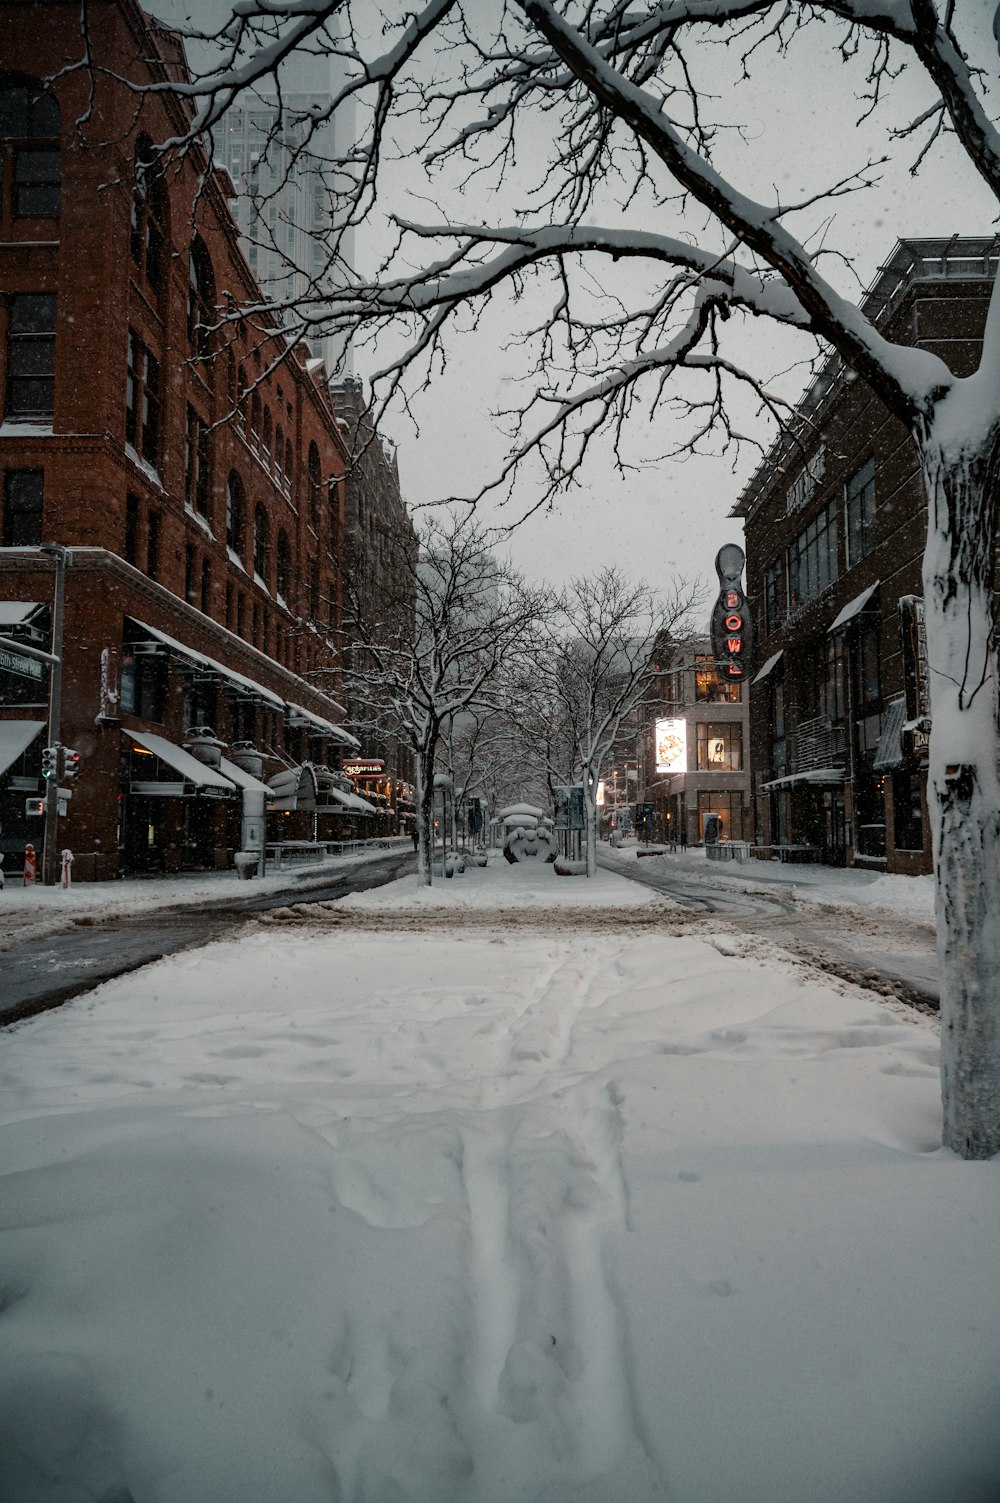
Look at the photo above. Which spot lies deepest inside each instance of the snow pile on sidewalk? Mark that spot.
(432, 1218)
(32, 912)
(827, 886)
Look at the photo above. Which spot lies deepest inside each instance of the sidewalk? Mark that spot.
(827, 886)
(34, 912)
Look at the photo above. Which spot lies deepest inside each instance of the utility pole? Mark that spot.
(50, 840)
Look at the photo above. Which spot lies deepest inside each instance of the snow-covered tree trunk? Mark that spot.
(590, 781)
(425, 820)
(962, 468)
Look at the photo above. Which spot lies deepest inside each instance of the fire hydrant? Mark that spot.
(67, 862)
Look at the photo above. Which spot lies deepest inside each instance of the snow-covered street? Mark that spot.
(386, 1209)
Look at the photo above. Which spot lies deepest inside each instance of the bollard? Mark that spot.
(67, 862)
(30, 866)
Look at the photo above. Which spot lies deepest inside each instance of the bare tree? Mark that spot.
(604, 645)
(426, 658)
(615, 93)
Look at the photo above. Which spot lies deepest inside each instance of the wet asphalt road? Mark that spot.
(42, 973)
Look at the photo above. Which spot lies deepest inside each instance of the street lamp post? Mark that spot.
(50, 840)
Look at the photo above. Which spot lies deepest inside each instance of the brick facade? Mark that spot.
(188, 458)
(835, 528)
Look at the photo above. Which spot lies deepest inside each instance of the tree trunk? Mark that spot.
(963, 788)
(590, 804)
(425, 818)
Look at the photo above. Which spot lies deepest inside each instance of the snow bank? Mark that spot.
(431, 1218)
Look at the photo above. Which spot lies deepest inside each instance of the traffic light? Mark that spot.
(71, 763)
(50, 761)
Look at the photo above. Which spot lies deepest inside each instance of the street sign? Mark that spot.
(731, 627)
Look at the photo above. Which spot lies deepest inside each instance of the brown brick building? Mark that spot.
(835, 528)
(190, 462)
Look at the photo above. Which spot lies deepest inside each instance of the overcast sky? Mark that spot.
(800, 130)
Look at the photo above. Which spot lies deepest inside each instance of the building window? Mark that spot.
(241, 615)
(777, 724)
(29, 117)
(288, 467)
(196, 480)
(720, 748)
(907, 810)
(774, 595)
(153, 545)
(260, 542)
(22, 508)
(267, 438)
(728, 806)
(31, 355)
(206, 586)
(867, 677)
(143, 685)
(189, 574)
(313, 590)
(132, 530)
(315, 487)
(860, 505)
(142, 400)
(235, 514)
(279, 455)
(229, 605)
(832, 703)
(149, 213)
(709, 688)
(201, 297)
(284, 565)
(333, 511)
(255, 421)
(812, 559)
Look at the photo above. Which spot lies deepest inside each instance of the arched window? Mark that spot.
(279, 453)
(29, 134)
(260, 542)
(255, 421)
(315, 487)
(284, 565)
(236, 512)
(268, 435)
(288, 466)
(201, 297)
(149, 213)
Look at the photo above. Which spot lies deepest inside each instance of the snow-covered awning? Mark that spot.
(327, 727)
(293, 788)
(852, 608)
(242, 779)
(768, 667)
(190, 769)
(15, 737)
(889, 753)
(821, 775)
(16, 612)
(350, 803)
(202, 660)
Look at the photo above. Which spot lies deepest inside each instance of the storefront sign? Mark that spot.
(732, 630)
(671, 745)
(368, 768)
